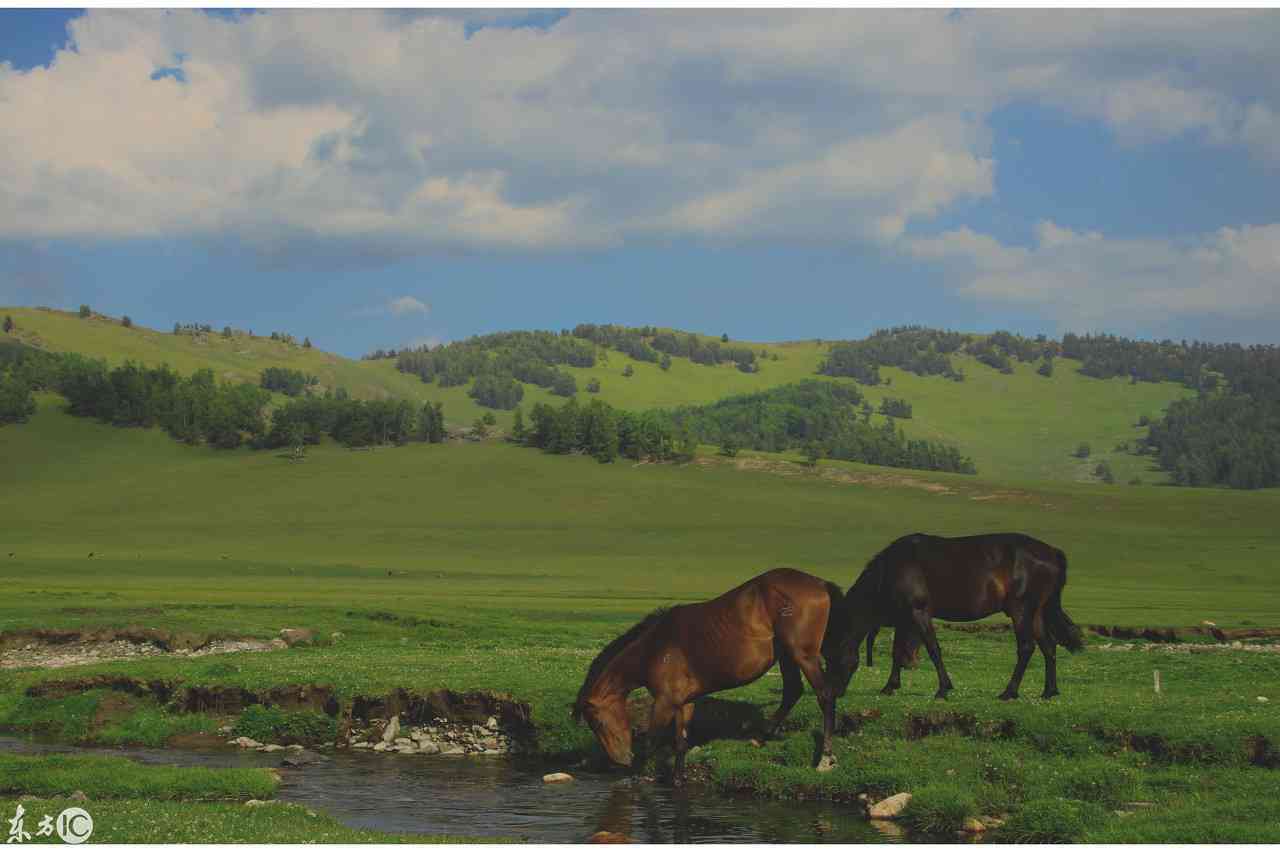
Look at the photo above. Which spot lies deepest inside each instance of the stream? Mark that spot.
(495, 797)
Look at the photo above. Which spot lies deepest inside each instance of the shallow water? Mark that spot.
(494, 797)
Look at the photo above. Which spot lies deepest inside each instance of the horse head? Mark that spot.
(607, 717)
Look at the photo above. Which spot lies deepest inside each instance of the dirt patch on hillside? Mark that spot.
(54, 649)
(828, 474)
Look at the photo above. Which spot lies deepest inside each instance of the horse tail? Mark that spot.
(1061, 627)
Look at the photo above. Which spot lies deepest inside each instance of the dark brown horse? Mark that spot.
(688, 651)
(921, 577)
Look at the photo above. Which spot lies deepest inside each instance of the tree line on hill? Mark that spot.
(649, 344)
(199, 409)
(928, 351)
(495, 364)
(826, 418)
(1229, 434)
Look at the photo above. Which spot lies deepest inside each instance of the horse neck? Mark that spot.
(625, 672)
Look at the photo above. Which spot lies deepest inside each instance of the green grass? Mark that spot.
(118, 778)
(150, 821)
(485, 566)
(1020, 427)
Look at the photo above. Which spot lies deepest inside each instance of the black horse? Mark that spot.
(920, 577)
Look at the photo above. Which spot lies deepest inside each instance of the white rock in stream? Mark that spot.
(556, 778)
(392, 730)
(891, 807)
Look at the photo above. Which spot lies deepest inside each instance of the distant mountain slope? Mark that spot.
(1018, 426)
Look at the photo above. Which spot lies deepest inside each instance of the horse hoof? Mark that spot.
(1008, 696)
(1048, 695)
(827, 763)
(887, 691)
(940, 695)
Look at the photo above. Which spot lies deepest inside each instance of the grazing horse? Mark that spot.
(684, 652)
(921, 577)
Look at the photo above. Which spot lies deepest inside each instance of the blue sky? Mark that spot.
(773, 175)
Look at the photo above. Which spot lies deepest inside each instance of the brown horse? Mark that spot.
(688, 651)
(921, 577)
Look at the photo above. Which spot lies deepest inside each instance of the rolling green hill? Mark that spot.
(1019, 427)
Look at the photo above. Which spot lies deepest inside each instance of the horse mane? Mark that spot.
(613, 649)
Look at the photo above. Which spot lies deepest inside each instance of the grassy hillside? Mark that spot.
(483, 526)
(1020, 427)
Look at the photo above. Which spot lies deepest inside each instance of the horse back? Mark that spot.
(971, 577)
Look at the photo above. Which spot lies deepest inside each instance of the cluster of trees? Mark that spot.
(191, 328)
(709, 352)
(655, 346)
(894, 407)
(919, 350)
(495, 390)
(1227, 439)
(193, 409)
(380, 354)
(354, 423)
(498, 360)
(630, 341)
(199, 409)
(603, 432)
(1229, 434)
(818, 416)
(23, 370)
(286, 381)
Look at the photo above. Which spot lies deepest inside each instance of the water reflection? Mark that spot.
(443, 795)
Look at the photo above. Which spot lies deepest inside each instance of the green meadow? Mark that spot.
(489, 566)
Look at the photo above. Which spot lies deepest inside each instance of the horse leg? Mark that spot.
(827, 701)
(664, 710)
(792, 689)
(899, 651)
(871, 642)
(1048, 650)
(683, 716)
(1026, 647)
(924, 625)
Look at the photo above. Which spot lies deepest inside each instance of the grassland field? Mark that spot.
(488, 566)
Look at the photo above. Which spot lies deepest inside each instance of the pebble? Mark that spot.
(556, 778)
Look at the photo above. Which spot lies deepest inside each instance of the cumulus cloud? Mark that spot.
(403, 306)
(1092, 281)
(405, 134)
(398, 307)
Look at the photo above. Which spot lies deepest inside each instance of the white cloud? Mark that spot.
(401, 134)
(403, 306)
(398, 307)
(1091, 281)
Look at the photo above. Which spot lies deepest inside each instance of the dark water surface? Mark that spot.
(495, 797)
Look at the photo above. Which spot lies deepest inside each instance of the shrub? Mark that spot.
(1050, 821)
(8, 324)
(629, 371)
(939, 808)
(271, 724)
(126, 321)
(593, 386)
(85, 312)
(1082, 451)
